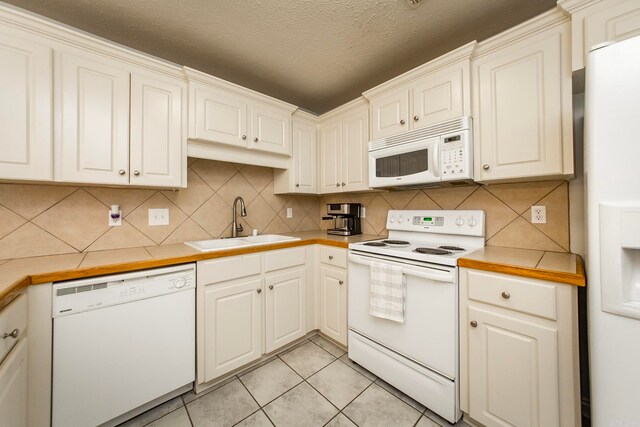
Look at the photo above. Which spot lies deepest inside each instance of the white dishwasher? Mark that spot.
(120, 342)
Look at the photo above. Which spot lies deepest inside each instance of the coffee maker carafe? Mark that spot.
(346, 218)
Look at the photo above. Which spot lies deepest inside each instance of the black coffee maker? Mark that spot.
(346, 218)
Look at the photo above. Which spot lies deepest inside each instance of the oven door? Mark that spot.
(429, 335)
(406, 164)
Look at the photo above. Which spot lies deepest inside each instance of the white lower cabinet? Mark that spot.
(333, 303)
(248, 305)
(518, 351)
(13, 387)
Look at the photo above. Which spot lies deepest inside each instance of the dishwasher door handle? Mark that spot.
(421, 272)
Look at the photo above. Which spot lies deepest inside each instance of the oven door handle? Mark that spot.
(423, 273)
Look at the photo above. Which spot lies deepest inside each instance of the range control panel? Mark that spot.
(467, 223)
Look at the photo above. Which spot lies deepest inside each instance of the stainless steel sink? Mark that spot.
(238, 242)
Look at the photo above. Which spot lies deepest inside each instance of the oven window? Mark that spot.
(402, 164)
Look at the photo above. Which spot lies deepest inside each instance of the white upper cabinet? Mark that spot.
(597, 21)
(301, 175)
(92, 109)
(344, 137)
(158, 130)
(270, 129)
(522, 102)
(434, 92)
(26, 145)
(219, 116)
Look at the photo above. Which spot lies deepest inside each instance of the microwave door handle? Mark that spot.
(436, 159)
(424, 273)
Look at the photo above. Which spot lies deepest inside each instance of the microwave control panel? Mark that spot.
(456, 157)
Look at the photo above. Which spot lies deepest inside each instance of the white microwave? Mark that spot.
(440, 153)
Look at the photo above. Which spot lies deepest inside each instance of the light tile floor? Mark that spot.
(312, 384)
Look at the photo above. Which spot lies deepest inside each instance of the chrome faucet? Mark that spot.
(235, 226)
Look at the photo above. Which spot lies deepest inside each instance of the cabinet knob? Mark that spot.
(343, 184)
(259, 291)
(12, 334)
(330, 256)
(297, 185)
(341, 282)
(506, 295)
(402, 122)
(122, 172)
(271, 287)
(416, 118)
(485, 167)
(473, 324)
(337, 184)
(136, 173)
(244, 136)
(255, 139)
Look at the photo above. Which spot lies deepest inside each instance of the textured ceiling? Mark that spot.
(316, 54)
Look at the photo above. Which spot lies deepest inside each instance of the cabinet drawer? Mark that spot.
(525, 295)
(333, 256)
(285, 258)
(13, 317)
(225, 269)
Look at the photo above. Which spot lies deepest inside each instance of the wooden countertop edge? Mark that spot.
(12, 291)
(577, 279)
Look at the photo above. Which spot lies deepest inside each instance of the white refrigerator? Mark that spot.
(612, 177)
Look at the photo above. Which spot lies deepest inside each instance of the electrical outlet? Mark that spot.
(363, 212)
(158, 216)
(539, 214)
(289, 212)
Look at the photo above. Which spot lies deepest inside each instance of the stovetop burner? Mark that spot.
(391, 242)
(452, 248)
(431, 251)
(375, 244)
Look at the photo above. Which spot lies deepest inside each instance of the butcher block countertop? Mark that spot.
(553, 266)
(17, 274)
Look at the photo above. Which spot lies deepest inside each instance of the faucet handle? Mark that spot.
(239, 227)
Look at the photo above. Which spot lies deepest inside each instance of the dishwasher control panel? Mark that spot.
(90, 294)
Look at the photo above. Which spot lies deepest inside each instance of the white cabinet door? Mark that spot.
(390, 114)
(513, 371)
(333, 303)
(13, 386)
(270, 129)
(522, 108)
(232, 326)
(285, 312)
(92, 107)
(219, 116)
(157, 131)
(440, 96)
(331, 157)
(304, 158)
(355, 161)
(26, 144)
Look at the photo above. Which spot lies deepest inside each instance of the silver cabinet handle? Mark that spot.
(330, 256)
(343, 184)
(297, 185)
(259, 291)
(337, 184)
(270, 286)
(122, 172)
(136, 173)
(506, 295)
(485, 167)
(416, 118)
(12, 334)
(473, 324)
(255, 139)
(402, 122)
(341, 282)
(244, 136)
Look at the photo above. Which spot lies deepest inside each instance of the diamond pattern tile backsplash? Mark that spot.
(50, 219)
(40, 219)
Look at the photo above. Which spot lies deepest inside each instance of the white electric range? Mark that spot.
(420, 356)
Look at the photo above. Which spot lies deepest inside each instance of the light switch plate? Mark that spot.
(538, 214)
(289, 212)
(158, 216)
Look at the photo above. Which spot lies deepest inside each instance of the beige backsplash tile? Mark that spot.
(30, 200)
(30, 240)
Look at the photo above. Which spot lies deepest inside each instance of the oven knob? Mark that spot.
(392, 219)
(459, 222)
(472, 222)
(180, 282)
(400, 219)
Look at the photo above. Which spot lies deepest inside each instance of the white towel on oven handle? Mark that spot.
(388, 290)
